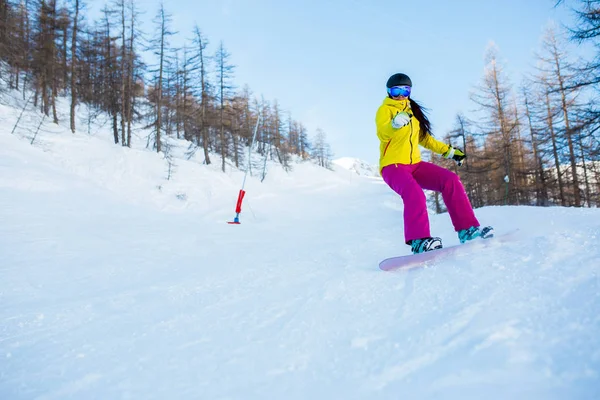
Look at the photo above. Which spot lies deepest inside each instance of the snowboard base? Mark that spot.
(430, 257)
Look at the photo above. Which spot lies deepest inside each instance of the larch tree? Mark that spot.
(493, 96)
(539, 173)
(160, 47)
(224, 91)
(201, 73)
(77, 6)
(560, 78)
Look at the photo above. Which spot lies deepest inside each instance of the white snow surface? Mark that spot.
(118, 284)
(358, 166)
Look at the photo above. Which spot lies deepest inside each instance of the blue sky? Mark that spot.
(327, 61)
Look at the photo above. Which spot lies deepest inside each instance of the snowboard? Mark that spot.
(431, 257)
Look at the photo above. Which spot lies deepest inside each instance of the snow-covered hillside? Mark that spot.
(357, 166)
(118, 284)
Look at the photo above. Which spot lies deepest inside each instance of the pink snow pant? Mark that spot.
(409, 180)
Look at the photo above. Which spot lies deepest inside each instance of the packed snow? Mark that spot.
(116, 283)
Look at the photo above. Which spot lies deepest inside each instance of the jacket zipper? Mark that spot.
(410, 140)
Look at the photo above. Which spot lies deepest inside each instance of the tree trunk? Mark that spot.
(550, 124)
(572, 158)
(585, 173)
(53, 63)
(130, 74)
(159, 87)
(540, 184)
(123, 75)
(73, 67)
(115, 126)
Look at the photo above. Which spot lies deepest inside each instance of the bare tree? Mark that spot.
(200, 44)
(44, 60)
(124, 76)
(76, 8)
(224, 76)
(52, 17)
(5, 11)
(132, 66)
(560, 75)
(550, 117)
(494, 97)
(25, 44)
(111, 72)
(160, 47)
(322, 151)
(49, 46)
(539, 175)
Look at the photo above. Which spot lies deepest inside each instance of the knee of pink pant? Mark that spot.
(455, 178)
(414, 197)
(452, 181)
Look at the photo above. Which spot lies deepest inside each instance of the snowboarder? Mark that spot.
(401, 127)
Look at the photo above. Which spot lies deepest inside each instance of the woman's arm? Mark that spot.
(434, 145)
(385, 130)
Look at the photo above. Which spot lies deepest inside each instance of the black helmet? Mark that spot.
(399, 80)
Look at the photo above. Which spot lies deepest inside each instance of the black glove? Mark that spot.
(456, 154)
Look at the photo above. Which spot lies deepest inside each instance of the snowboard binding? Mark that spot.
(418, 246)
(474, 232)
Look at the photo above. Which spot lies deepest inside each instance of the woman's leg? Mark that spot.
(416, 221)
(434, 177)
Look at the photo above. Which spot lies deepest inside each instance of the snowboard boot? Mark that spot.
(426, 244)
(473, 232)
(487, 232)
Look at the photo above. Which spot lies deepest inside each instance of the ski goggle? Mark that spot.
(396, 91)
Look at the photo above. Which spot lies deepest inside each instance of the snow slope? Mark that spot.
(111, 288)
(357, 166)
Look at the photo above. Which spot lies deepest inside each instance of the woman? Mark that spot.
(401, 127)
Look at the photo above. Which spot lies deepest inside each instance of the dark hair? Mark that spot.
(419, 113)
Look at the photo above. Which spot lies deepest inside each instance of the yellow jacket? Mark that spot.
(401, 146)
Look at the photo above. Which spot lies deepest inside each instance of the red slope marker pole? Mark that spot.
(238, 207)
